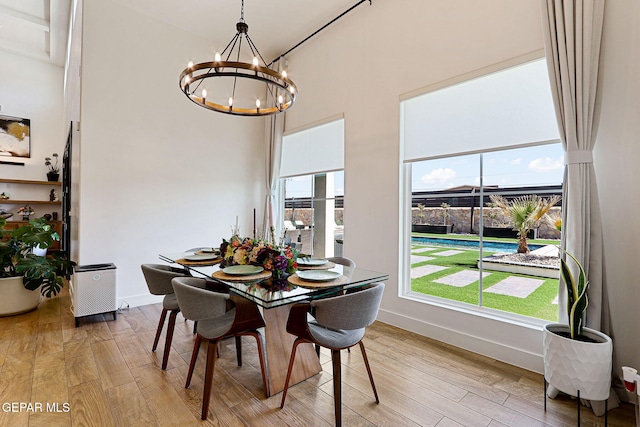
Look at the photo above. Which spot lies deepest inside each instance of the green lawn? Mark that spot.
(538, 304)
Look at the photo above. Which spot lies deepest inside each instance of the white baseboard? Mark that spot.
(138, 300)
(504, 352)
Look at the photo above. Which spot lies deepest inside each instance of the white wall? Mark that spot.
(32, 89)
(157, 173)
(616, 158)
(361, 66)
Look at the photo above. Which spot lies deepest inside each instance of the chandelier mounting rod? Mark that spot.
(318, 30)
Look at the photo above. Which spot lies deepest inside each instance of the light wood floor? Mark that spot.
(107, 375)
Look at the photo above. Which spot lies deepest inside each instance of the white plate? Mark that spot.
(203, 257)
(318, 275)
(242, 270)
(311, 261)
(209, 250)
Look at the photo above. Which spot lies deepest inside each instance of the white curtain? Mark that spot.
(572, 32)
(274, 130)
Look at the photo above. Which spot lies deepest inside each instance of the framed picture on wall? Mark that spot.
(15, 137)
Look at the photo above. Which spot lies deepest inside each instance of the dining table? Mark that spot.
(315, 279)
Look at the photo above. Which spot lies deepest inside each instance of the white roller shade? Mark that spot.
(503, 109)
(315, 150)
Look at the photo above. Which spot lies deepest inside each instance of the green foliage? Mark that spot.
(17, 257)
(538, 304)
(525, 213)
(577, 299)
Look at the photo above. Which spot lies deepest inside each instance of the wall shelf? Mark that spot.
(28, 202)
(57, 225)
(27, 181)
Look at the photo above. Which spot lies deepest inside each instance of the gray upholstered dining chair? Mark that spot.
(219, 316)
(339, 322)
(158, 278)
(347, 262)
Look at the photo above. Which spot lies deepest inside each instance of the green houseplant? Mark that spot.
(54, 168)
(577, 360)
(18, 260)
(525, 212)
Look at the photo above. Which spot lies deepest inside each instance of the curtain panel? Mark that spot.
(572, 33)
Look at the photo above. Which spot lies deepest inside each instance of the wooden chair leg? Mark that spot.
(366, 362)
(169, 339)
(291, 360)
(239, 349)
(263, 367)
(163, 316)
(208, 377)
(194, 357)
(337, 385)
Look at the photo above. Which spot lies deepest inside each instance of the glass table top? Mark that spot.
(274, 292)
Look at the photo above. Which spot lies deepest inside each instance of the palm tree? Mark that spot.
(525, 213)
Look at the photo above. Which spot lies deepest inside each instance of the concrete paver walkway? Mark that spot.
(515, 286)
(425, 270)
(461, 278)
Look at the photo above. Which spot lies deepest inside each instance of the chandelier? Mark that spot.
(228, 85)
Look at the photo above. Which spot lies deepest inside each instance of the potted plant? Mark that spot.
(577, 360)
(54, 167)
(26, 211)
(421, 227)
(525, 213)
(23, 273)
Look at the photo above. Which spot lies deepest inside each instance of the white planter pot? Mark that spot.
(39, 251)
(15, 299)
(572, 365)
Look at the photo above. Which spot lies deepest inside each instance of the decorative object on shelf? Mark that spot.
(15, 136)
(253, 79)
(26, 211)
(55, 216)
(18, 263)
(280, 260)
(5, 214)
(4, 196)
(47, 217)
(54, 167)
(53, 196)
(577, 360)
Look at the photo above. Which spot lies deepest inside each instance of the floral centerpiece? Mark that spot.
(280, 260)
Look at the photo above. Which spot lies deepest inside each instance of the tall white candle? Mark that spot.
(270, 212)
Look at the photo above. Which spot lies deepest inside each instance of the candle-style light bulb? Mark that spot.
(255, 61)
(217, 57)
(291, 89)
(257, 103)
(230, 101)
(280, 99)
(204, 95)
(190, 64)
(284, 74)
(187, 80)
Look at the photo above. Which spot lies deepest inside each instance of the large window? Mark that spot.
(468, 146)
(464, 248)
(313, 181)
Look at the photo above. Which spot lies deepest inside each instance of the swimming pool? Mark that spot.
(471, 244)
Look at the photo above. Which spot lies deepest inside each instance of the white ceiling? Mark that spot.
(38, 28)
(35, 28)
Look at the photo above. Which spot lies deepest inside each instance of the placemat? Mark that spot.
(295, 280)
(208, 262)
(221, 275)
(327, 266)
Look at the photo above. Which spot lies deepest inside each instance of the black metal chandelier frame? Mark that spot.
(281, 91)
